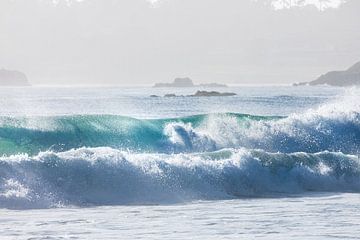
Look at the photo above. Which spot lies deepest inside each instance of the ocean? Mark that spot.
(272, 162)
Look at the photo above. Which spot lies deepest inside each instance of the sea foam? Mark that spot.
(105, 176)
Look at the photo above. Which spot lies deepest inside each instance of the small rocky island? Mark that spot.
(212, 94)
(13, 78)
(349, 77)
(187, 82)
(201, 94)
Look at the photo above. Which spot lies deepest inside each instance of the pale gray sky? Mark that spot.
(135, 42)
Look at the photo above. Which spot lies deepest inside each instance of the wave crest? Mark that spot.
(332, 127)
(105, 176)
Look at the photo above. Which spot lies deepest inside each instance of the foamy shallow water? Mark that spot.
(317, 216)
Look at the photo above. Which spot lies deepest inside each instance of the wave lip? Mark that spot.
(105, 176)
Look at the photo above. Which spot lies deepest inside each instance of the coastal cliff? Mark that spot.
(349, 77)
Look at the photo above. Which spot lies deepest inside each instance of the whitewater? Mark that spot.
(269, 162)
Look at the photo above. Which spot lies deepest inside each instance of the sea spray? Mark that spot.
(105, 176)
(87, 160)
(325, 129)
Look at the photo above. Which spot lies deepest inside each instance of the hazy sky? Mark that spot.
(138, 42)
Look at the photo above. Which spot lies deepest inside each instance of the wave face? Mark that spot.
(104, 176)
(35, 134)
(107, 159)
(332, 127)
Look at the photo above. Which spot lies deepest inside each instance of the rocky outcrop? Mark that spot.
(212, 94)
(13, 78)
(178, 82)
(349, 77)
(187, 82)
(212, 85)
(201, 94)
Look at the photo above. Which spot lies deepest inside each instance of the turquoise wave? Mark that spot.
(60, 133)
(51, 161)
(311, 132)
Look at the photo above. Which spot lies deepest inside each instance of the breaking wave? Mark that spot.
(332, 127)
(105, 176)
(106, 159)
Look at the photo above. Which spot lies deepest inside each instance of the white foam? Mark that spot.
(104, 176)
(334, 126)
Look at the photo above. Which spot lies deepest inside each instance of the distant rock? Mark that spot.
(154, 96)
(301, 84)
(187, 82)
(13, 78)
(212, 94)
(178, 82)
(349, 77)
(212, 85)
(202, 94)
